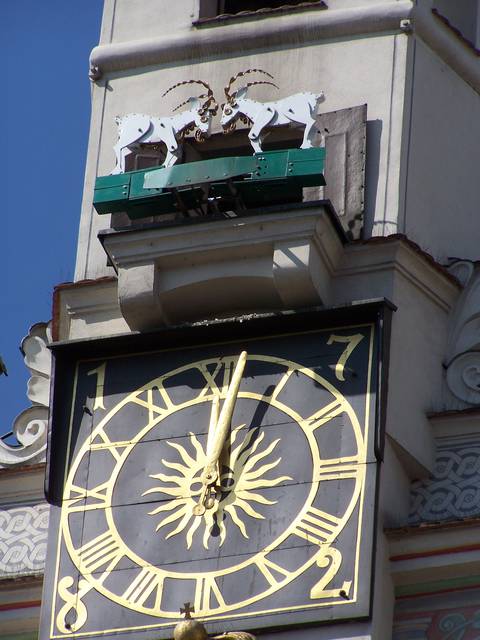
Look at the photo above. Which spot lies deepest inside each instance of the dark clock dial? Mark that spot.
(239, 487)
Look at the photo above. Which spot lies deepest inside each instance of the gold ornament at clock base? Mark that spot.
(190, 630)
(194, 630)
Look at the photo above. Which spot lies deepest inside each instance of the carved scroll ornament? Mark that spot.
(30, 426)
(463, 348)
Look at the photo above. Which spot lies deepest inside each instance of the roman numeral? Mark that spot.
(280, 384)
(142, 588)
(317, 526)
(102, 551)
(269, 569)
(98, 496)
(338, 469)
(324, 415)
(206, 591)
(101, 441)
(217, 382)
(154, 410)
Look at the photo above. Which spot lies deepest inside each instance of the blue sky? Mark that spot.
(45, 112)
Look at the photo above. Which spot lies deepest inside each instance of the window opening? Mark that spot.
(213, 9)
(235, 6)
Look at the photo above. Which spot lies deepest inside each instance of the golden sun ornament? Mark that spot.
(236, 491)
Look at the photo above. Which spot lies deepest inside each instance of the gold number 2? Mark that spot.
(352, 343)
(331, 558)
(100, 373)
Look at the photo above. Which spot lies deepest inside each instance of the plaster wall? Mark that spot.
(442, 186)
(141, 19)
(126, 20)
(365, 69)
(419, 335)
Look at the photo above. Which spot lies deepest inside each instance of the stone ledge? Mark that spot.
(168, 275)
(434, 552)
(86, 308)
(22, 484)
(275, 31)
(448, 46)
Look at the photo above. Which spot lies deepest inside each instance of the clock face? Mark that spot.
(278, 533)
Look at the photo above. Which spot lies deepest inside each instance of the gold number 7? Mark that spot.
(352, 343)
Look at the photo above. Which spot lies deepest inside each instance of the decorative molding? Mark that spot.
(453, 491)
(198, 44)
(22, 484)
(412, 629)
(30, 426)
(463, 348)
(456, 624)
(446, 616)
(23, 540)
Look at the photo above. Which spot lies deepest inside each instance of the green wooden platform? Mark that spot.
(218, 184)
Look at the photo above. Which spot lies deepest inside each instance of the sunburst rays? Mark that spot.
(235, 497)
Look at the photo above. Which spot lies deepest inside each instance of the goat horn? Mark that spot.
(184, 82)
(182, 104)
(251, 84)
(241, 74)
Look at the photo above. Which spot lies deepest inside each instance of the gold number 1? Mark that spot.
(100, 373)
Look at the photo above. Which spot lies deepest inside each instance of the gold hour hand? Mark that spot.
(223, 426)
(216, 441)
(207, 493)
(213, 423)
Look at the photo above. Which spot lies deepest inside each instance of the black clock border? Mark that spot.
(248, 327)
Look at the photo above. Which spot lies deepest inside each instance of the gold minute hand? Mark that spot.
(216, 444)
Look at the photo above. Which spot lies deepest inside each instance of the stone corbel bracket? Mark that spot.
(169, 275)
(463, 349)
(30, 426)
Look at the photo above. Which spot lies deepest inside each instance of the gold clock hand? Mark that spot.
(213, 423)
(216, 442)
(208, 499)
(223, 425)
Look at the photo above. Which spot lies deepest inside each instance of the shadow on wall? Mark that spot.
(372, 170)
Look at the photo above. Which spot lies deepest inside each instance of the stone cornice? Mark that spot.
(434, 552)
(282, 259)
(462, 58)
(22, 484)
(398, 253)
(274, 32)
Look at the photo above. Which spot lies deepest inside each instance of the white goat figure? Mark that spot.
(136, 128)
(296, 109)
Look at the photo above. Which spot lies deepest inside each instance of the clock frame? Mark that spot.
(290, 539)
